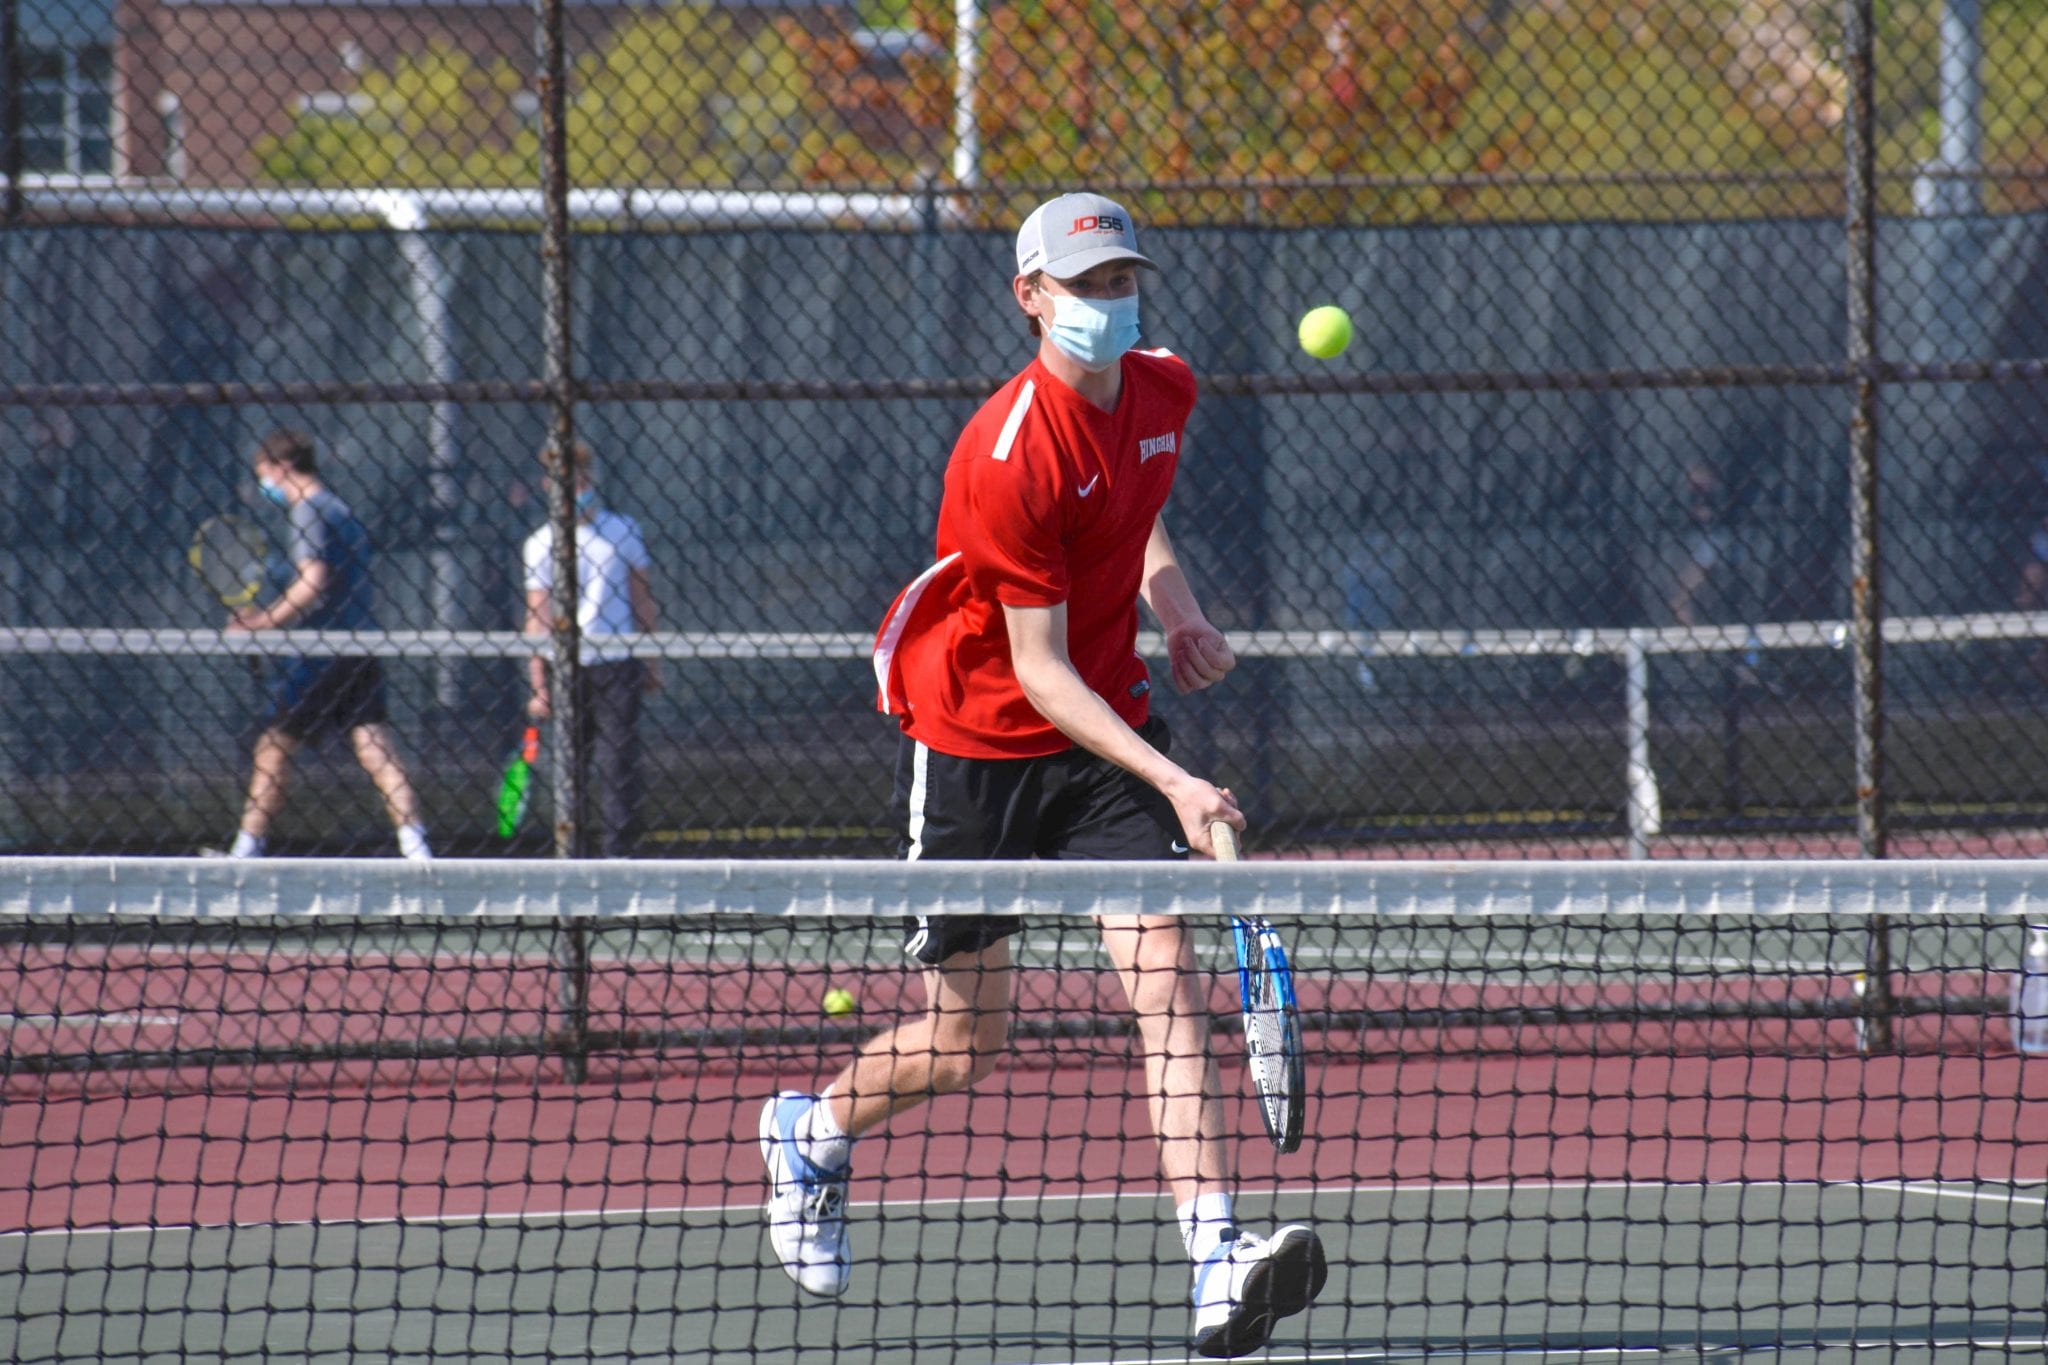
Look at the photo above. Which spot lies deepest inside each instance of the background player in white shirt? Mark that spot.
(614, 598)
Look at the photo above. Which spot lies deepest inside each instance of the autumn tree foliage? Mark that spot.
(689, 95)
(436, 117)
(1224, 92)
(1340, 111)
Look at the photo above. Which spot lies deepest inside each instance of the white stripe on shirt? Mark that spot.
(1008, 436)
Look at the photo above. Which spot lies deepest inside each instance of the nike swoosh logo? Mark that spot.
(1089, 487)
(1177, 846)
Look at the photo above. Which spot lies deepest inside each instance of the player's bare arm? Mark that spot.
(1038, 653)
(295, 601)
(540, 619)
(1197, 652)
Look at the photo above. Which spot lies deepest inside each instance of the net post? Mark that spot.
(1877, 1003)
(571, 1041)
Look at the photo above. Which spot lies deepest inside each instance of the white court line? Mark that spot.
(15, 1021)
(1307, 961)
(1448, 960)
(1422, 1353)
(1989, 1192)
(213, 957)
(1775, 1349)
(599, 1215)
(752, 1207)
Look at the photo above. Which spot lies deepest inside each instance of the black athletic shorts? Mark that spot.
(1069, 805)
(313, 698)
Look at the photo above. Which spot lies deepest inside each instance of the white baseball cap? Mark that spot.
(1076, 232)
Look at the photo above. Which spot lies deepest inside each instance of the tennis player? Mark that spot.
(313, 698)
(614, 597)
(1012, 666)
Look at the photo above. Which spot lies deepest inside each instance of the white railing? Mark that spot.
(411, 210)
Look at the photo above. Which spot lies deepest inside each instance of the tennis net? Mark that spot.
(356, 1110)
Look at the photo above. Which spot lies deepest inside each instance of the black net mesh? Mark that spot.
(516, 1110)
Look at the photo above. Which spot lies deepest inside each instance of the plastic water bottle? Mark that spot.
(2030, 995)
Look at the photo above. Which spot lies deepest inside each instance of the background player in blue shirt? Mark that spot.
(314, 697)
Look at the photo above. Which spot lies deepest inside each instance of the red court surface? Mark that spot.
(458, 1142)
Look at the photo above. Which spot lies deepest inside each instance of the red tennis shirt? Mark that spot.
(1048, 499)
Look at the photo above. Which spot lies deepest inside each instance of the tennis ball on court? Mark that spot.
(838, 1001)
(1325, 331)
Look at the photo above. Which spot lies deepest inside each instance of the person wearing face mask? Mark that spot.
(312, 698)
(1011, 665)
(614, 597)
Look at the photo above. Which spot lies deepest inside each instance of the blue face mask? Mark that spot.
(586, 499)
(1095, 332)
(274, 491)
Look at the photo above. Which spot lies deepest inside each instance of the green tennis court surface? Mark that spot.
(1525, 1272)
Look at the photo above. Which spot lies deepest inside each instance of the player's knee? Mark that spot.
(965, 1055)
(1160, 991)
(956, 1069)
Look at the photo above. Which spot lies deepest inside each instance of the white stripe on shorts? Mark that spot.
(920, 761)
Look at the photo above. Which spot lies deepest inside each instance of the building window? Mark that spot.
(67, 109)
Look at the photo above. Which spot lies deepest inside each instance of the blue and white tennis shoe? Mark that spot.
(1249, 1283)
(806, 1208)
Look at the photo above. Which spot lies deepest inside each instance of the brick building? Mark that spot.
(182, 90)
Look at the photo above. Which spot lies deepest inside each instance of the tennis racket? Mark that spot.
(515, 793)
(1272, 1028)
(231, 557)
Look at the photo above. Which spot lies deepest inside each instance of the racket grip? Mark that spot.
(1223, 838)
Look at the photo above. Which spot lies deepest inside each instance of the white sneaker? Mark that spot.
(1247, 1285)
(806, 1209)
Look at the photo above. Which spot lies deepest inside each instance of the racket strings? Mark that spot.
(231, 558)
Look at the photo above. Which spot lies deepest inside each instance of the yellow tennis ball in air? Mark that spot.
(1325, 331)
(839, 1000)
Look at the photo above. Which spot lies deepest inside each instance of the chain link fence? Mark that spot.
(1683, 491)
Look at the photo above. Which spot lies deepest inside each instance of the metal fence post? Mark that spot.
(1866, 603)
(12, 157)
(566, 643)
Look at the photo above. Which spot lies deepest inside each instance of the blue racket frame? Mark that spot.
(1262, 962)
